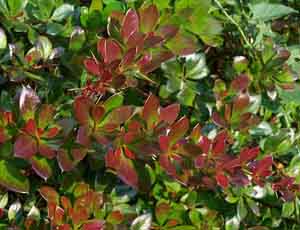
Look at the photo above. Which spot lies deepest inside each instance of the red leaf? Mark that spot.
(169, 113)
(92, 66)
(200, 161)
(222, 180)
(93, 225)
(129, 154)
(248, 154)
(130, 24)
(152, 40)
(49, 194)
(136, 40)
(82, 106)
(164, 143)
(241, 102)
(97, 113)
(25, 147)
(218, 120)
(64, 161)
(78, 154)
(150, 111)
(128, 57)
(127, 172)
(46, 151)
(52, 132)
(219, 143)
(240, 83)
(83, 136)
(66, 203)
(205, 144)
(112, 159)
(168, 31)
(149, 18)
(109, 49)
(264, 166)
(64, 227)
(166, 164)
(156, 61)
(178, 130)
(30, 127)
(120, 115)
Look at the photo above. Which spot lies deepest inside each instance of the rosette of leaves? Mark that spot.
(36, 140)
(236, 108)
(185, 79)
(135, 48)
(80, 211)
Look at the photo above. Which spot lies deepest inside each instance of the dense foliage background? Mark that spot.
(149, 114)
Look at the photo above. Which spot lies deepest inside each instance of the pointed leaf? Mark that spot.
(149, 17)
(169, 113)
(49, 194)
(178, 130)
(109, 49)
(25, 147)
(150, 111)
(11, 178)
(41, 166)
(130, 24)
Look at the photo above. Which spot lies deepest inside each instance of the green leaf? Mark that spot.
(232, 223)
(113, 102)
(290, 96)
(268, 11)
(16, 6)
(77, 39)
(4, 200)
(196, 66)
(142, 222)
(288, 209)
(62, 12)
(45, 45)
(14, 210)
(42, 167)
(96, 5)
(3, 39)
(241, 210)
(34, 214)
(11, 178)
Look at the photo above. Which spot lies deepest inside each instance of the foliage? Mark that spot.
(149, 114)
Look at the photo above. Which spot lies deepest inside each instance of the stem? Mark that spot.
(235, 23)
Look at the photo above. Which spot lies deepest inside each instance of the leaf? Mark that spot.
(196, 66)
(16, 6)
(3, 39)
(222, 180)
(77, 39)
(14, 210)
(96, 5)
(62, 12)
(127, 172)
(82, 107)
(113, 102)
(150, 111)
(232, 224)
(142, 222)
(25, 146)
(288, 209)
(4, 200)
(93, 225)
(49, 194)
(149, 17)
(109, 49)
(28, 102)
(178, 130)
(130, 24)
(92, 66)
(34, 214)
(241, 210)
(11, 178)
(162, 210)
(269, 11)
(44, 44)
(169, 113)
(290, 96)
(41, 166)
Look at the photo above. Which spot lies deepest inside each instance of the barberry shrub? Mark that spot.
(149, 115)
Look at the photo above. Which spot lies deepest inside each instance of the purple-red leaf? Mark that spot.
(248, 154)
(222, 180)
(149, 18)
(41, 166)
(169, 113)
(92, 66)
(49, 194)
(127, 172)
(156, 60)
(109, 49)
(150, 111)
(82, 106)
(46, 151)
(219, 143)
(130, 24)
(83, 136)
(93, 225)
(25, 146)
(178, 130)
(240, 83)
